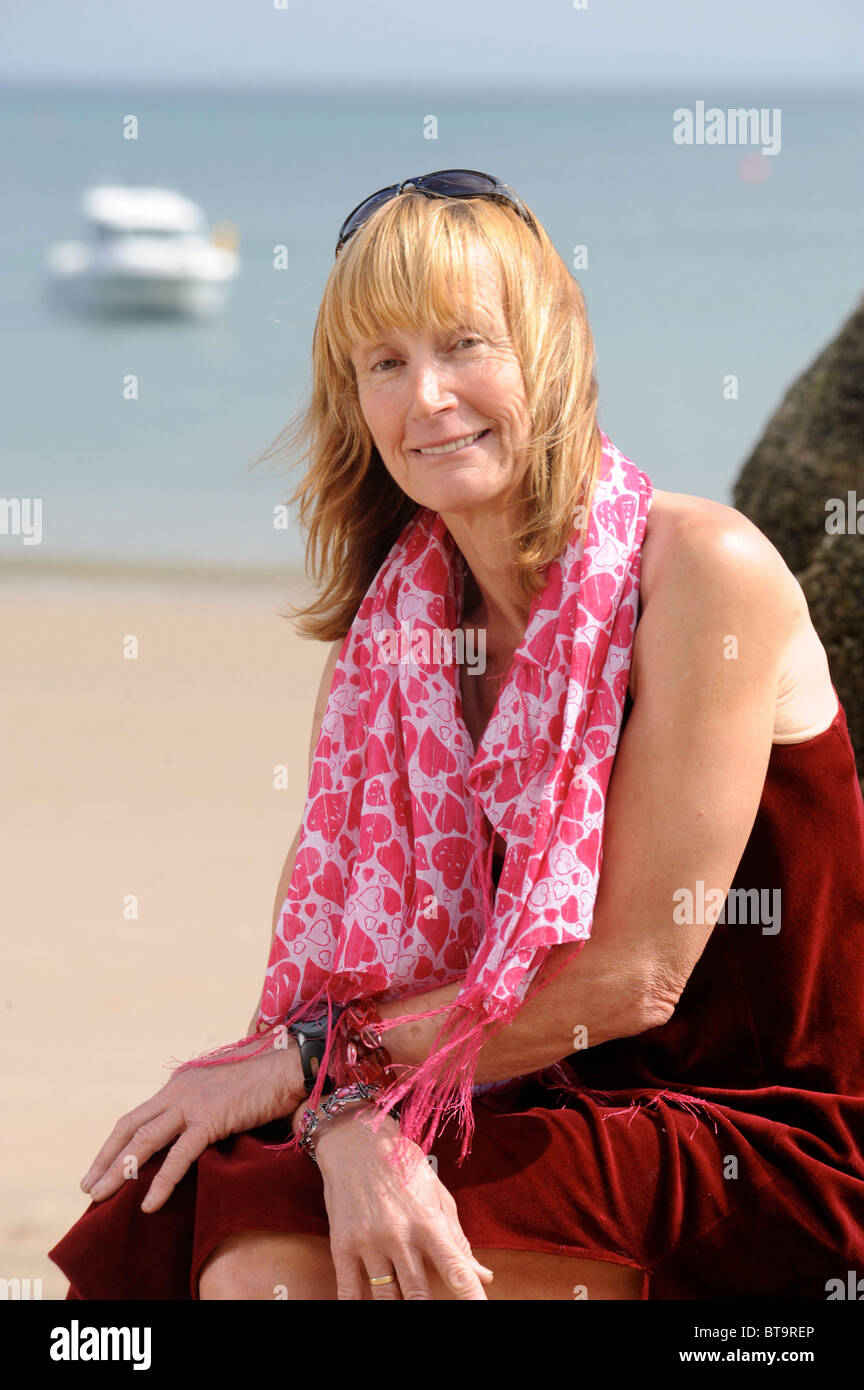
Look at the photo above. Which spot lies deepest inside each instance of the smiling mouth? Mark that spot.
(456, 447)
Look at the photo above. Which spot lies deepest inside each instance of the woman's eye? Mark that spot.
(384, 361)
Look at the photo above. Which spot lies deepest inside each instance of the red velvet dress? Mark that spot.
(757, 1194)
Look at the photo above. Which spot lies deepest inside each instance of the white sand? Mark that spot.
(151, 777)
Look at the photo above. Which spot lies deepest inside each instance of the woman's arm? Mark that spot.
(682, 799)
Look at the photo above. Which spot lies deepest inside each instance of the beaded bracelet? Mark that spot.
(359, 1055)
(336, 1101)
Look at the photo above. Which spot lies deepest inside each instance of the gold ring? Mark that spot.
(384, 1279)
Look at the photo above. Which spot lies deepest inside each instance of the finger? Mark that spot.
(410, 1270)
(462, 1243)
(147, 1140)
(351, 1281)
(189, 1147)
(457, 1272)
(377, 1265)
(451, 1216)
(118, 1138)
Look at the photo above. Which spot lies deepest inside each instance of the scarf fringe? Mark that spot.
(441, 1087)
(557, 1078)
(228, 1051)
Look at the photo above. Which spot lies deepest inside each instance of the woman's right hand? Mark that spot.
(385, 1219)
(196, 1108)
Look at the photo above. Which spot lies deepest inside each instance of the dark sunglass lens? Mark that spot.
(453, 182)
(356, 218)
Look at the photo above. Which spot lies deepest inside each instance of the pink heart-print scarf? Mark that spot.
(391, 890)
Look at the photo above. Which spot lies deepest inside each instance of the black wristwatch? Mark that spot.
(311, 1036)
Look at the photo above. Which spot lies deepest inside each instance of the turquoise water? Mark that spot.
(694, 273)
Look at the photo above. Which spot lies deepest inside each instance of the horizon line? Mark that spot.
(825, 86)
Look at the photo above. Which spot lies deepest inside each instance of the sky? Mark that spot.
(409, 44)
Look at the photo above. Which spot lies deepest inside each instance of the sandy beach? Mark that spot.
(153, 779)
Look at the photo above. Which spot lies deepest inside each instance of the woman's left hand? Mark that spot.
(385, 1219)
(196, 1108)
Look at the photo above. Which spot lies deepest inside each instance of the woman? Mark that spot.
(677, 1109)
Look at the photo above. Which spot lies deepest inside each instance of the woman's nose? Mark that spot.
(430, 387)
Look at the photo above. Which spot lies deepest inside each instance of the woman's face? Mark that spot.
(422, 390)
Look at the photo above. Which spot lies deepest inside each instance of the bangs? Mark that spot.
(413, 268)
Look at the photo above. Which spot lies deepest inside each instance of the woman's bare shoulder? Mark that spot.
(680, 531)
(679, 523)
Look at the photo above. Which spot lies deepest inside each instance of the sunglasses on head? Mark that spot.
(444, 183)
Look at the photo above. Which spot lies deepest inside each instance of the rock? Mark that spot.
(813, 450)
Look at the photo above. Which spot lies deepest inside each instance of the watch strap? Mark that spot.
(311, 1048)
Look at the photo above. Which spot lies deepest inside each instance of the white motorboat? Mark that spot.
(148, 250)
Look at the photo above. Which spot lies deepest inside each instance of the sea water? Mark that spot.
(695, 272)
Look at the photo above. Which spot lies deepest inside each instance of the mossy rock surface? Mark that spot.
(813, 450)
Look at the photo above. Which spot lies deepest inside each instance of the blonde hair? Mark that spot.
(406, 269)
